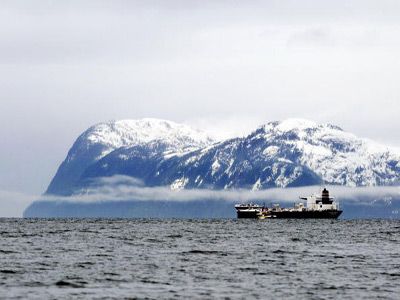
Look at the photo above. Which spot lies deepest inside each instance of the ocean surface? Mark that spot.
(200, 259)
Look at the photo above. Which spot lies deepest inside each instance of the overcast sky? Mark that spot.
(225, 65)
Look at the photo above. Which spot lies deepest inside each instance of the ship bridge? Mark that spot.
(323, 202)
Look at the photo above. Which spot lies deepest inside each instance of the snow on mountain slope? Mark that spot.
(125, 133)
(338, 157)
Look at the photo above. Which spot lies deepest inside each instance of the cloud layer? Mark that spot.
(120, 188)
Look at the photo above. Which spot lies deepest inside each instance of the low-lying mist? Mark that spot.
(124, 188)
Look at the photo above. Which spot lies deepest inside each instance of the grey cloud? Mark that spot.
(132, 31)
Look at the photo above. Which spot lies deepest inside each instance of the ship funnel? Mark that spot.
(325, 197)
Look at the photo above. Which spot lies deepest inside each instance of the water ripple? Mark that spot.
(237, 259)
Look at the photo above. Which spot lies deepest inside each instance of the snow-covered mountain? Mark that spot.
(101, 139)
(293, 152)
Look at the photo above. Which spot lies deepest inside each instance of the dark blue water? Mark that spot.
(294, 259)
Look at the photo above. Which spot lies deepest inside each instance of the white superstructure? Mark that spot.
(319, 203)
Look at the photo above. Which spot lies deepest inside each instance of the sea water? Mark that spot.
(203, 259)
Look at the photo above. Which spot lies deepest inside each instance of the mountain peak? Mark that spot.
(297, 124)
(122, 133)
(292, 124)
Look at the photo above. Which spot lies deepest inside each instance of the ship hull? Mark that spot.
(324, 214)
(243, 214)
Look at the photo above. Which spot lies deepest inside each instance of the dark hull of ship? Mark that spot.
(325, 214)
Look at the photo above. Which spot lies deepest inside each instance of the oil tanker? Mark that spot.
(317, 207)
